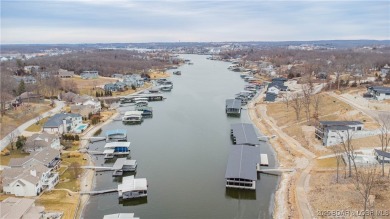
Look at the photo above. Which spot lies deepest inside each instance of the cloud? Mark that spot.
(83, 21)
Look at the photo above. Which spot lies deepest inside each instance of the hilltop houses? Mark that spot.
(89, 74)
(63, 123)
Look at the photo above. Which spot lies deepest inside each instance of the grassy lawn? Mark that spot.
(13, 118)
(59, 201)
(328, 163)
(4, 159)
(67, 179)
(37, 127)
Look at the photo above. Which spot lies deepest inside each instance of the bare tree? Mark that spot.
(296, 104)
(346, 143)
(337, 151)
(365, 180)
(384, 136)
(286, 99)
(316, 105)
(307, 91)
(12, 137)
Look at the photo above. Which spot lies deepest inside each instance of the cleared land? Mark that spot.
(88, 86)
(60, 200)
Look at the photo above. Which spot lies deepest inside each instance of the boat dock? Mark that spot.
(233, 107)
(244, 134)
(150, 97)
(116, 135)
(98, 192)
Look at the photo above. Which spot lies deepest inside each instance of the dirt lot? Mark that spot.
(25, 112)
(89, 86)
(322, 193)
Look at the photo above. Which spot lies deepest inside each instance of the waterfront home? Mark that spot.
(63, 123)
(20, 208)
(116, 135)
(382, 156)
(50, 158)
(89, 74)
(120, 216)
(233, 107)
(112, 149)
(241, 172)
(244, 134)
(86, 100)
(133, 188)
(379, 92)
(132, 117)
(270, 97)
(335, 132)
(117, 86)
(41, 141)
(65, 73)
(133, 80)
(28, 181)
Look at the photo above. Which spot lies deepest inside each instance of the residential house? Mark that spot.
(117, 75)
(270, 97)
(273, 89)
(385, 70)
(20, 208)
(28, 181)
(133, 80)
(31, 68)
(49, 157)
(110, 87)
(62, 123)
(29, 79)
(65, 73)
(379, 92)
(382, 156)
(89, 74)
(86, 100)
(83, 110)
(117, 86)
(335, 132)
(41, 141)
(29, 97)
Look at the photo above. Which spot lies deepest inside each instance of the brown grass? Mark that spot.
(157, 75)
(37, 127)
(4, 159)
(13, 118)
(59, 201)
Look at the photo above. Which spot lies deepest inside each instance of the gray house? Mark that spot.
(89, 74)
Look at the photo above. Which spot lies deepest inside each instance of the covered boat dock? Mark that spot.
(241, 171)
(233, 106)
(116, 135)
(244, 133)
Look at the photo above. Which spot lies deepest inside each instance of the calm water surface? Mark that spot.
(183, 152)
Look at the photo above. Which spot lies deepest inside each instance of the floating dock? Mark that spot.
(244, 134)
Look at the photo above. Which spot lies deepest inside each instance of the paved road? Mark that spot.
(6, 140)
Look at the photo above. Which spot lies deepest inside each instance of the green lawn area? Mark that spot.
(37, 127)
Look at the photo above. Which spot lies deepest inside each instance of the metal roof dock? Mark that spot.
(233, 106)
(244, 133)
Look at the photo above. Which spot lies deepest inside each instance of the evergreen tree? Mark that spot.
(21, 88)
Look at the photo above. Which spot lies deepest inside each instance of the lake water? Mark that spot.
(183, 152)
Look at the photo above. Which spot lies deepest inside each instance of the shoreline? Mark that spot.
(88, 178)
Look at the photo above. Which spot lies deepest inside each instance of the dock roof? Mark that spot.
(131, 184)
(117, 144)
(120, 162)
(116, 132)
(382, 153)
(342, 123)
(233, 103)
(244, 133)
(242, 162)
(120, 216)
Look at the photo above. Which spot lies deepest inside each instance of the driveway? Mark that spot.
(6, 140)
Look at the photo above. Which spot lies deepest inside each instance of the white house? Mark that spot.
(86, 100)
(62, 123)
(274, 90)
(335, 132)
(379, 92)
(40, 141)
(89, 74)
(28, 181)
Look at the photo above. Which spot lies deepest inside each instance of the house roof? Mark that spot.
(44, 157)
(13, 174)
(340, 123)
(233, 103)
(279, 79)
(271, 97)
(16, 208)
(244, 133)
(382, 153)
(56, 120)
(242, 162)
(40, 140)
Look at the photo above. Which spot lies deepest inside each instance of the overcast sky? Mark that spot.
(110, 21)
